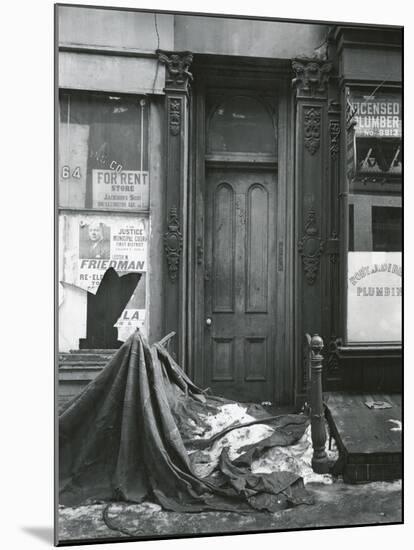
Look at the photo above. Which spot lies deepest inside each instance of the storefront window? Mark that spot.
(102, 277)
(103, 219)
(103, 152)
(375, 217)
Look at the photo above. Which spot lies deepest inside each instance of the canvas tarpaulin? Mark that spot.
(133, 434)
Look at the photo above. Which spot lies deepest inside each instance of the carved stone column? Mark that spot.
(331, 328)
(311, 173)
(177, 79)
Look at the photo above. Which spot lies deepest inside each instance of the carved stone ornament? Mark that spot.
(311, 247)
(174, 116)
(332, 355)
(312, 129)
(335, 130)
(173, 243)
(178, 64)
(306, 362)
(333, 248)
(311, 76)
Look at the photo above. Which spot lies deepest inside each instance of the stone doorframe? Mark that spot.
(315, 226)
(177, 81)
(317, 213)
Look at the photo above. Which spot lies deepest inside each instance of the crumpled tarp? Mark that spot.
(131, 435)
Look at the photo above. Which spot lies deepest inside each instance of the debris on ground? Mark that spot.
(338, 504)
(156, 455)
(397, 425)
(143, 429)
(296, 458)
(378, 404)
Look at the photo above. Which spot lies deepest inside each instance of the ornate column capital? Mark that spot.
(177, 64)
(311, 77)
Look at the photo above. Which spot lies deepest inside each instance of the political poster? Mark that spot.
(134, 315)
(374, 296)
(125, 189)
(93, 243)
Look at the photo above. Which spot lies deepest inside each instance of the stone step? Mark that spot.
(91, 352)
(369, 439)
(77, 368)
(82, 364)
(84, 358)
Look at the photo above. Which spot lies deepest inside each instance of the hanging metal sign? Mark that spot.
(378, 115)
(374, 130)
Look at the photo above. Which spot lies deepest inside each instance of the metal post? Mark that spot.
(320, 462)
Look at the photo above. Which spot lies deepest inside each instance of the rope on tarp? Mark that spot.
(164, 340)
(203, 443)
(108, 522)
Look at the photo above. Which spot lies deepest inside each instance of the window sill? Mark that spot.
(369, 350)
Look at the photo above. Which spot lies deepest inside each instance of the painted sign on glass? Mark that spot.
(73, 157)
(374, 296)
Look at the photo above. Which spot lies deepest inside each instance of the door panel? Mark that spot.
(224, 249)
(257, 234)
(240, 283)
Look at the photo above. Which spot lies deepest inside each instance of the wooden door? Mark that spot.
(240, 283)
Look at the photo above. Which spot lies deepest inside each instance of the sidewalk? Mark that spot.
(337, 504)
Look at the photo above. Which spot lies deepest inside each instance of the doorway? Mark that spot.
(242, 289)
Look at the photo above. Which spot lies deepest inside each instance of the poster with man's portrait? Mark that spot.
(94, 240)
(93, 243)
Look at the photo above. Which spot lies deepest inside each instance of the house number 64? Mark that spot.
(66, 172)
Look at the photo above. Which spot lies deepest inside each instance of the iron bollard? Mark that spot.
(320, 462)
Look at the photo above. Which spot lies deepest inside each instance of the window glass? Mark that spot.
(374, 157)
(240, 124)
(102, 276)
(374, 150)
(378, 156)
(103, 219)
(386, 229)
(103, 152)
